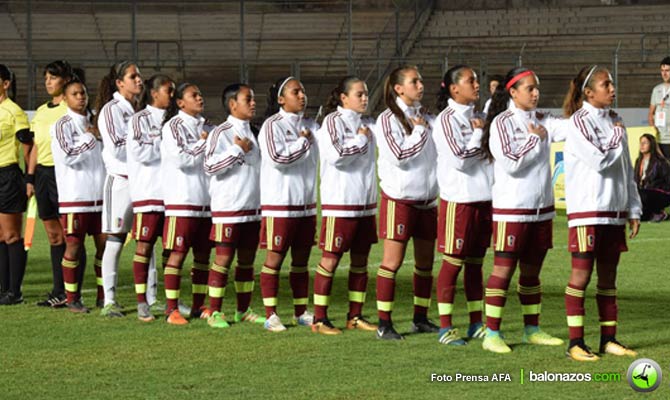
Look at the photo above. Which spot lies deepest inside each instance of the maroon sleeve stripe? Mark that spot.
(276, 157)
(395, 148)
(109, 122)
(451, 140)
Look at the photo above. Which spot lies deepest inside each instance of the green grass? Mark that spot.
(54, 354)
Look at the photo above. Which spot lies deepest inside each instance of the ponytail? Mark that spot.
(273, 95)
(342, 87)
(396, 77)
(6, 74)
(575, 97)
(452, 76)
(107, 85)
(173, 108)
(499, 103)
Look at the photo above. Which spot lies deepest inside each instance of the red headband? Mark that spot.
(518, 77)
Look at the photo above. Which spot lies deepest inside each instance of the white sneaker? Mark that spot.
(273, 324)
(306, 319)
(184, 310)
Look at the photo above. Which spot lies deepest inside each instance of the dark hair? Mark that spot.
(575, 97)
(273, 95)
(343, 87)
(107, 85)
(231, 92)
(396, 77)
(496, 78)
(6, 74)
(151, 84)
(499, 103)
(76, 81)
(452, 76)
(665, 61)
(79, 73)
(656, 156)
(173, 108)
(60, 68)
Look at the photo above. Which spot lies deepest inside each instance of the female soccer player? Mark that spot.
(77, 154)
(145, 187)
(117, 98)
(406, 169)
(14, 129)
(601, 197)
(233, 160)
(288, 197)
(184, 186)
(465, 177)
(348, 201)
(519, 139)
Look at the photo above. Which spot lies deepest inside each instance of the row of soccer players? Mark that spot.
(491, 175)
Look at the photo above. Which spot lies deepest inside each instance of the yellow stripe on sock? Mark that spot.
(493, 311)
(445, 308)
(269, 271)
(356, 297)
(270, 301)
(200, 266)
(217, 291)
(529, 289)
(358, 270)
(385, 306)
(171, 271)
(244, 286)
(456, 262)
(531, 309)
(608, 323)
(574, 292)
(98, 281)
(140, 288)
(199, 288)
(422, 301)
(295, 269)
(322, 271)
(321, 300)
(300, 301)
(70, 264)
(385, 274)
(141, 259)
(496, 292)
(575, 321)
(475, 305)
(172, 294)
(71, 287)
(606, 292)
(425, 273)
(219, 268)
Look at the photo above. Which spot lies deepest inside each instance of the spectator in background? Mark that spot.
(652, 175)
(659, 108)
(494, 81)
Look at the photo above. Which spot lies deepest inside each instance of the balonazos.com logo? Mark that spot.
(644, 375)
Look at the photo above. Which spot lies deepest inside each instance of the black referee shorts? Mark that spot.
(12, 190)
(46, 192)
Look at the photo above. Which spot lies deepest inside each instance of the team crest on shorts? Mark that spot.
(510, 240)
(277, 240)
(75, 223)
(179, 240)
(590, 240)
(338, 241)
(459, 244)
(145, 230)
(228, 232)
(401, 229)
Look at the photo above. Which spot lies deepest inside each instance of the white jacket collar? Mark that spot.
(292, 118)
(412, 111)
(239, 123)
(197, 121)
(156, 113)
(464, 109)
(350, 116)
(80, 120)
(124, 103)
(527, 116)
(600, 112)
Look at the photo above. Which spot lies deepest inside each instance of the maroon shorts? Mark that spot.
(341, 234)
(182, 233)
(603, 239)
(81, 224)
(464, 228)
(147, 226)
(522, 237)
(243, 235)
(279, 233)
(403, 220)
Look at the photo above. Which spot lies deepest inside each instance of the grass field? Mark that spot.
(54, 354)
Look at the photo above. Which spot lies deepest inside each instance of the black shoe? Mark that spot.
(425, 326)
(9, 299)
(77, 307)
(388, 333)
(54, 301)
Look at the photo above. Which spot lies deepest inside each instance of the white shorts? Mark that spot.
(117, 209)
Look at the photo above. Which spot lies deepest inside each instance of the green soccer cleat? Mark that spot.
(112, 310)
(248, 316)
(494, 342)
(450, 337)
(534, 335)
(217, 320)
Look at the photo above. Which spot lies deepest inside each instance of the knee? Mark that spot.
(11, 237)
(55, 238)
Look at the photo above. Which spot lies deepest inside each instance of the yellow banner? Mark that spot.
(558, 178)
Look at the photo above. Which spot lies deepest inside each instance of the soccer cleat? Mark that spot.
(477, 331)
(112, 310)
(175, 318)
(450, 336)
(202, 313)
(535, 335)
(358, 322)
(494, 342)
(306, 319)
(53, 301)
(184, 309)
(425, 326)
(144, 312)
(273, 324)
(217, 320)
(248, 316)
(9, 299)
(77, 307)
(581, 352)
(617, 349)
(157, 307)
(388, 333)
(325, 327)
